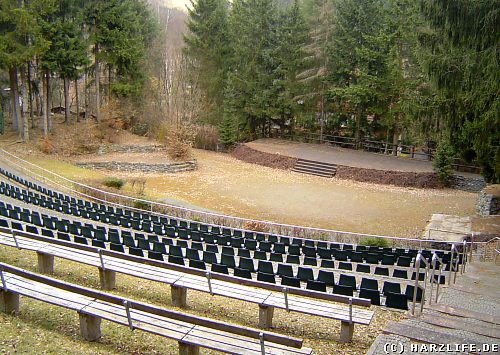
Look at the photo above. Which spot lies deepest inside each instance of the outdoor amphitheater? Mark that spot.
(194, 281)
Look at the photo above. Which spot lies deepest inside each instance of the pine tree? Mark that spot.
(462, 61)
(208, 46)
(20, 41)
(357, 52)
(252, 64)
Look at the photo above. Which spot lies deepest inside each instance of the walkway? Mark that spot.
(468, 311)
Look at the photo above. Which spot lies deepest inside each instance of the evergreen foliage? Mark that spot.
(442, 162)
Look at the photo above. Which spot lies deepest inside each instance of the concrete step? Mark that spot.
(315, 168)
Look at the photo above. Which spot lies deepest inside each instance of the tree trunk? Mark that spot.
(30, 94)
(110, 70)
(85, 91)
(67, 119)
(395, 140)
(24, 132)
(46, 104)
(14, 96)
(77, 102)
(97, 86)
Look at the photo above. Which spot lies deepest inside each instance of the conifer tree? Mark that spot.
(207, 44)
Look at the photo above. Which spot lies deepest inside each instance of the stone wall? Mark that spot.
(467, 183)
(142, 167)
(487, 204)
(129, 148)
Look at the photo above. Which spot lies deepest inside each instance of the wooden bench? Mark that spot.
(191, 332)
(180, 278)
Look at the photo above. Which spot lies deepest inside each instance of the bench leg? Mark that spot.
(107, 279)
(188, 349)
(90, 327)
(45, 263)
(266, 316)
(179, 296)
(9, 302)
(346, 331)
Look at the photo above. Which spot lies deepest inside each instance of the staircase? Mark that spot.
(315, 168)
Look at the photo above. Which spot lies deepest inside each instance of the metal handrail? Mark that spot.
(418, 259)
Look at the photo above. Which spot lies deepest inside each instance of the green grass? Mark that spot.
(65, 169)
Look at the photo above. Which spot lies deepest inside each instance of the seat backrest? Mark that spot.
(285, 270)
(370, 284)
(228, 260)
(260, 255)
(402, 274)
(265, 277)
(328, 277)
(393, 287)
(305, 273)
(265, 267)
(290, 281)
(310, 261)
(242, 273)
(155, 255)
(327, 264)
(380, 270)
(396, 300)
(209, 257)
(316, 285)
(173, 259)
(347, 280)
(363, 268)
(343, 265)
(247, 264)
(221, 269)
(192, 254)
(197, 264)
(343, 290)
(372, 295)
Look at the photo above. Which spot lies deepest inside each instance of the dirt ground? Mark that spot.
(226, 185)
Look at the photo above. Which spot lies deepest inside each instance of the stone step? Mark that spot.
(315, 168)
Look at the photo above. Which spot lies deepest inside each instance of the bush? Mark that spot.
(442, 162)
(141, 205)
(46, 146)
(179, 141)
(375, 242)
(113, 182)
(207, 137)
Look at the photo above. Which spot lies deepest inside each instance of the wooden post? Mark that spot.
(9, 302)
(265, 316)
(179, 296)
(188, 349)
(346, 331)
(90, 327)
(107, 279)
(45, 263)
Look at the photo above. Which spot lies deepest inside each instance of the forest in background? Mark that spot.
(422, 73)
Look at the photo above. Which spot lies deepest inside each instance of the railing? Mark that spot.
(211, 218)
(437, 264)
(381, 147)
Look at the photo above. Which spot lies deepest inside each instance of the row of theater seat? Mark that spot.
(260, 249)
(162, 225)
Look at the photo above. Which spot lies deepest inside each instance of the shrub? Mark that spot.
(113, 182)
(442, 162)
(375, 242)
(207, 137)
(46, 146)
(179, 141)
(141, 205)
